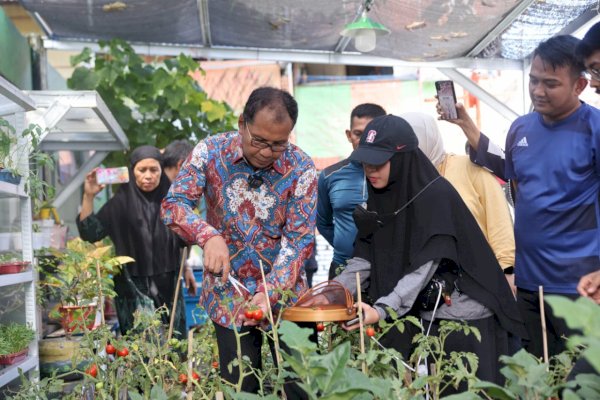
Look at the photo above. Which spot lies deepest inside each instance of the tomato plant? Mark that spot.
(320, 327)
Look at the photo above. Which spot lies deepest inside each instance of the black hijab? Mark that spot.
(433, 224)
(131, 219)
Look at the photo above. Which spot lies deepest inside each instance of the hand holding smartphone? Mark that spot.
(109, 176)
(353, 321)
(447, 99)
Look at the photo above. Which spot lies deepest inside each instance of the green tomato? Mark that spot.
(156, 323)
(135, 347)
(99, 385)
(174, 342)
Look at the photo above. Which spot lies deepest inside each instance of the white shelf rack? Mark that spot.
(13, 105)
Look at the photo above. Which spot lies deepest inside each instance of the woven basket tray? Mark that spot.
(308, 308)
(319, 314)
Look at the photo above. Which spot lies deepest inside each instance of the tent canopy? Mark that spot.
(451, 33)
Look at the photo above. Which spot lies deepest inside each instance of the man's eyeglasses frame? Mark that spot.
(261, 144)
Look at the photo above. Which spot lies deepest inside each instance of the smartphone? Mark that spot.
(109, 176)
(354, 321)
(447, 98)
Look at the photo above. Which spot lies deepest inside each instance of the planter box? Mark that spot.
(13, 267)
(10, 359)
(7, 176)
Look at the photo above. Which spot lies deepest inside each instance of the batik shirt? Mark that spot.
(273, 223)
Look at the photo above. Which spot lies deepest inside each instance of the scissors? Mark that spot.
(237, 285)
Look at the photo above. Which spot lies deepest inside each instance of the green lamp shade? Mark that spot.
(365, 32)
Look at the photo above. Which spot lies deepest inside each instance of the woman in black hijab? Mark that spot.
(131, 220)
(416, 231)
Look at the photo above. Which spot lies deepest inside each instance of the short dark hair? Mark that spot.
(269, 97)
(590, 43)
(176, 151)
(367, 110)
(559, 51)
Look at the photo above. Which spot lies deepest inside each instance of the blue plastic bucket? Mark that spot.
(194, 313)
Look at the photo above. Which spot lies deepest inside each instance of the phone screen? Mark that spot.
(447, 98)
(110, 176)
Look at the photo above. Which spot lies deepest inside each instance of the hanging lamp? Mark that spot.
(365, 31)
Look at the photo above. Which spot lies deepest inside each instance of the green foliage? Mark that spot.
(75, 281)
(24, 147)
(323, 370)
(155, 103)
(323, 376)
(584, 315)
(14, 338)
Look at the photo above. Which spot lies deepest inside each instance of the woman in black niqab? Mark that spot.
(131, 220)
(422, 224)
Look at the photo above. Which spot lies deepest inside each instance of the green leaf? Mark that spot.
(583, 314)
(335, 363)
(158, 393)
(495, 391)
(296, 338)
(214, 111)
(134, 395)
(463, 396)
(592, 354)
(252, 396)
(83, 79)
(568, 394)
(84, 57)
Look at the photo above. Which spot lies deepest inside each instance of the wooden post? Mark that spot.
(101, 296)
(361, 322)
(190, 364)
(543, 319)
(273, 325)
(174, 309)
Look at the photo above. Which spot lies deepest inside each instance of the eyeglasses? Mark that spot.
(592, 73)
(261, 144)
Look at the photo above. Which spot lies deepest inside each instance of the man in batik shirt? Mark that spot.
(260, 193)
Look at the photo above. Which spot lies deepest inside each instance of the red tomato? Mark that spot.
(320, 327)
(257, 315)
(92, 370)
(370, 331)
(249, 313)
(124, 352)
(215, 364)
(183, 378)
(110, 349)
(195, 376)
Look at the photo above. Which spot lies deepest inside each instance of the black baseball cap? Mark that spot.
(383, 137)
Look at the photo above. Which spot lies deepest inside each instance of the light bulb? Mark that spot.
(365, 39)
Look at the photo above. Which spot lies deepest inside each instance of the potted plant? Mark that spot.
(14, 342)
(12, 263)
(80, 278)
(17, 149)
